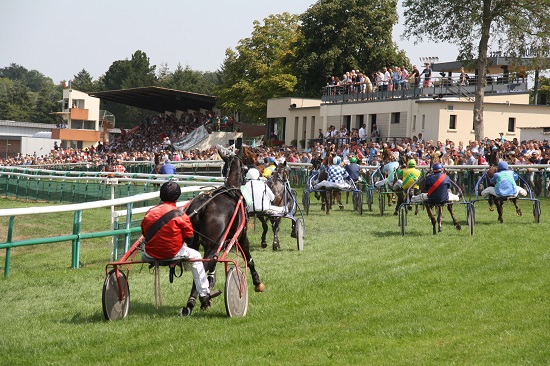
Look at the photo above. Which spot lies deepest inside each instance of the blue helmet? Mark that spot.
(437, 167)
(271, 160)
(502, 166)
(337, 160)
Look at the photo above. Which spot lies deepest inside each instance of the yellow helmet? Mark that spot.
(411, 163)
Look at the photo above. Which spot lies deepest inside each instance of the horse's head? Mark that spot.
(233, 169)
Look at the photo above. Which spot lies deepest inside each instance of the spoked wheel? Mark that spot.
(299, 227)
(403, 219)
(305, 201)
(236, 293)
(381, 203)
(370, 199)
(470, 218)
(354, 199)
(536, 211)
(360, 202)
(116, 295)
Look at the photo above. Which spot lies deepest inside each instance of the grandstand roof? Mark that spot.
(158, 99)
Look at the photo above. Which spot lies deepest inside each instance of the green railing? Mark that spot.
(77, 235)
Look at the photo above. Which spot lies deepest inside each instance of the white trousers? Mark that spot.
(197, 269)
(491, 191)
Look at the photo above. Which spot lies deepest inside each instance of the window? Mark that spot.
(511, 124)
(452, 122)
(395, 117)
(414, 123)
(423, 121)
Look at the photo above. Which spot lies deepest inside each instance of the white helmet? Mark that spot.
(337, 160)
(252, 174)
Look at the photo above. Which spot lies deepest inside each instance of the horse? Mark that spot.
(437, 222)
(499, 201)
(211, 215)
(278, 183)
(328, 196)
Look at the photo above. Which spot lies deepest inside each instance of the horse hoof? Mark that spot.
(491, 208)
(518, 212)
(458, 227)
(293, 234)
(341, 207)
(259, 287)
(264, 244)
(500, 221)
(186, 311)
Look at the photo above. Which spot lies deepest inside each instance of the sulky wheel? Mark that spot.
(370, 199)
(381, 203)
(360, 202)
(403, 219)
(116, 295)
(236, 293)
(470, 218)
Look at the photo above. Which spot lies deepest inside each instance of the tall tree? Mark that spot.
(259, 68)
(511, 26)
(83, 82)
(124, 74)
(341, 35)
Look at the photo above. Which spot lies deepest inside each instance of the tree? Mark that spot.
(83, 82)
(341, 35)
(259, 68)
(124, 74)
(511, 26)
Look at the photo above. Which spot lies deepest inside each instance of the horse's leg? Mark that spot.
(455, 221)
(323, 200)
(275, 222)
(338, 198)
(491, 203)
(432, 218)
(265, 228)
(499, 203)
(245, 246)
(518, 210)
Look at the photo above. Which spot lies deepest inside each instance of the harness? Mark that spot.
(437, 183)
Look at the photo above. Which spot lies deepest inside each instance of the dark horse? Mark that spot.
(499, 201)
(211, 215)
(278, 183)
(328, 195)
(438, 207)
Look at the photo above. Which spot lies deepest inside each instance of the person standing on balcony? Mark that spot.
(427, 72)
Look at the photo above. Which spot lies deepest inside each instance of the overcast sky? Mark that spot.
(59, 38)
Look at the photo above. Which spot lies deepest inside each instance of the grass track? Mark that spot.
(359, 294)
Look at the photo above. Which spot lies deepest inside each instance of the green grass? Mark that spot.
(359, 294)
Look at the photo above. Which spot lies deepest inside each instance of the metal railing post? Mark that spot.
(8, 250)
(128, 226)
(77, 224)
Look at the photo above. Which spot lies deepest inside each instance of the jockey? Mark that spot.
(439, 185)
(270, 167)
(389, 171)
(353, 169)
(337, 174)
(258, 195)
(167, 240)
(408, 178)
(504, 182)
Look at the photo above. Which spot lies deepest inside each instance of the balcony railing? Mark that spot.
(439, 87)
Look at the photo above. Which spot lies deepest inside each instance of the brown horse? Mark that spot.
(499, 201)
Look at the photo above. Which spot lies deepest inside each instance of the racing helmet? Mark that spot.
(411, 163)
(253, 174)
(271, 160)
(437, 167)
(337, 160)
(502, 166)
(170, 192)
(353, 159)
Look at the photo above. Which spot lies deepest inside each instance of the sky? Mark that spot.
(59, 38)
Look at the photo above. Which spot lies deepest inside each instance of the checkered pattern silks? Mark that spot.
(336, 174)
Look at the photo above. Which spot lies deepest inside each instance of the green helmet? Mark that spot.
(353, 159)
(411, 163)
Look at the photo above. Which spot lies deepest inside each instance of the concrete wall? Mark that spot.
(40, 146)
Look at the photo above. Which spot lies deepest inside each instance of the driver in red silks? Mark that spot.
(168, 241)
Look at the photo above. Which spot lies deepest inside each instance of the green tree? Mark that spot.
(259, 68)
(511, 26)
(125, 74)
(83, 81)
(341, 35)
